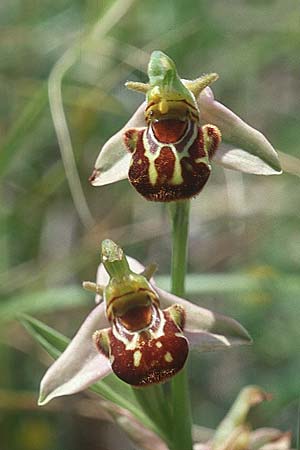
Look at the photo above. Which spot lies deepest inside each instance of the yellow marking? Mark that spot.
(137, 356)
(152, 172)
(177, 178)
(163, 106)
(177, 173)
(96, 335)
(155, 94)
(199, 160)
(139, 161)
(158, 344)
(134, 343)
(168, 357)
(211, 137)
(153, 175)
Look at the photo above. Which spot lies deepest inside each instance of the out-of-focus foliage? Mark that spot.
(244, 229)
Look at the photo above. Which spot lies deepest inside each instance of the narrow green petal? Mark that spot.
(103, 277)
(164, 79)
(114, 260)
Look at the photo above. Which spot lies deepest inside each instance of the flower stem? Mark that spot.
(179, 212)
(182, 419)
(152, 403)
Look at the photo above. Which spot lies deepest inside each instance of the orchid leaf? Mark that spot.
(51, 340)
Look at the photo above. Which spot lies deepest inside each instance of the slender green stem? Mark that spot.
(182, 420)
(151, 402)
(179, 212)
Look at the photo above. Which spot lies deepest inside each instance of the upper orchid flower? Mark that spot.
(144, 335)
(164, 150)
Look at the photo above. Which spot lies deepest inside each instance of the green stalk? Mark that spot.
(182, 419)
(153, 403)
(179, 212)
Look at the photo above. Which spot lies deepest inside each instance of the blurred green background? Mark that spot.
(245, 230)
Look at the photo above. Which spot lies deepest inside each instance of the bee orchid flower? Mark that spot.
(167, 147)
(137, 330)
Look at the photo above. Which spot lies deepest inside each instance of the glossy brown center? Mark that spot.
(137, 318)
(169, 130)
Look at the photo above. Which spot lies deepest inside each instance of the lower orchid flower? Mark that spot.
(166, 148)
(140, 332)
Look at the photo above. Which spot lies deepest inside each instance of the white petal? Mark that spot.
(113, 161)
(205, 329)
(204, 341)
(263, 436)
(103, 277)
(241, 160)
(116, 169)
(263, 159)
(200, 446)
(135, 265)
(282, 443)
(80, 365)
